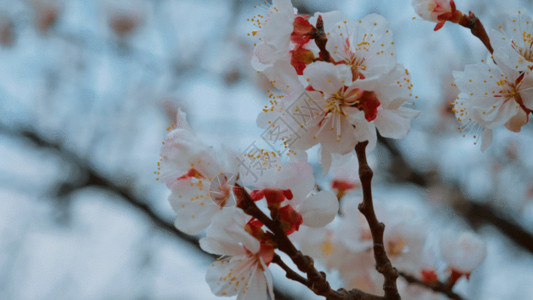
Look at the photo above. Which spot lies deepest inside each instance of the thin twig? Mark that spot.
(478, 30)
(436, 286)
(383, 264)
(290, 273)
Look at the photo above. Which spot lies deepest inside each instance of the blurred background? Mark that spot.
(88, 88)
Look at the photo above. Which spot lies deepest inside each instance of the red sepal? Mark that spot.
(191, 173)
(290, 219)
(257, 195)
(300, 58)
(369, 103)
(429, 276)
(302, 31)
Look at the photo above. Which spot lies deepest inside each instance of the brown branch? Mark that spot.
(290, 273)
(321, 40)
(476, 27)
(316, 280)
(436, 286)
(383, 264)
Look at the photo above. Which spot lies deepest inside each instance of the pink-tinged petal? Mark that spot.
(395, 123)
(486, 139)
(326, 77)
(191, 203)
(320, 209)
(430, 10)
(517, 121)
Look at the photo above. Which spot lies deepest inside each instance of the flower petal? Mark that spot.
(192, 205)
(320, 209)
(327, 77)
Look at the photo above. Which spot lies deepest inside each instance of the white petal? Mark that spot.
(181, 120)
(394, 123)
(486, 139)
(336, 133)
(228, 277)
(298, 177)
(464, 252)
(320, 209)
(227, 235)
(517, 121)
(283, 77)
(325, 159)
(364, 131)
(327, 77)
(192, 205)
(526, 91)
(256, 288)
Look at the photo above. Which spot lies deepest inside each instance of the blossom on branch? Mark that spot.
(464, 253)
(289, 191)
(188, 167)
(491, 96)
(513, 44)
(438, 11)
(349, 85)
(243, 268)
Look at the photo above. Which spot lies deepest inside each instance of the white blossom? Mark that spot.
(464, 252)
(188, 167)
(513, 44)
(491, 96)
(243, 270)
(430, 10)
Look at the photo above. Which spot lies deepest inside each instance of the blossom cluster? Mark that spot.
(499, 90)
(341, 74)
(202, 181)
(337, 81)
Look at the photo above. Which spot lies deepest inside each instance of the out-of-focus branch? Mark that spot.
(93, 178)
(474, 212)
(436, 286)
(377, 228)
